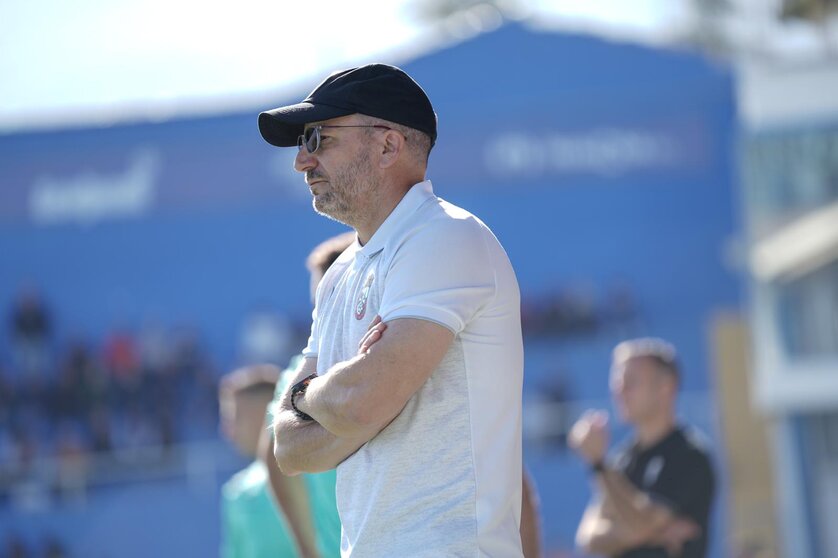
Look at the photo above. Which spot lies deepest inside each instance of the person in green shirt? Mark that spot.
(319, 501)
(252, 525)
(308, 501)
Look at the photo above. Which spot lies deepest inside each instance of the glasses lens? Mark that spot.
(300, 141)
(312, 138)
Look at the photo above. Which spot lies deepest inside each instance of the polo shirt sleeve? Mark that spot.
(441, 272)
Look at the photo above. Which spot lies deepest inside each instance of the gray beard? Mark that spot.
(354, 185)
(340, 214)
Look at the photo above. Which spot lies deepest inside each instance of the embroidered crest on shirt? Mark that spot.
(653, 470)
(361, 305)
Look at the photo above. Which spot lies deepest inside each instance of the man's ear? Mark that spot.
(391, 149)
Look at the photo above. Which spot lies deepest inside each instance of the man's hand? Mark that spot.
(675, 534)
(589, 436)
(373, 334)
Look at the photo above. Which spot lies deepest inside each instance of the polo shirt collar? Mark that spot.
(412, 200)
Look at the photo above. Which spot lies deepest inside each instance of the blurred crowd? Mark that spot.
(109, 398)
(135, 392)
(574, 310)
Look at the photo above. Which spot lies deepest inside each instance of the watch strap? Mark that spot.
(598, 467)
(298, 389)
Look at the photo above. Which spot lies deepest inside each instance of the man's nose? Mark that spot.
(304, 161)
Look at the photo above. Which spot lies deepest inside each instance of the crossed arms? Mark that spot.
(358, 397)
(626, 518)
(623, 517)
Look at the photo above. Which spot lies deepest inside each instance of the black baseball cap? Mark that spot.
(377, 90)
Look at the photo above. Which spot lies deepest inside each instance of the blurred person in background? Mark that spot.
(121, 359)
(73, 461)
(16, 547)
(31, 326)
(54, 548)
(252, 525)
(654, 499)
(424, 427)
(195, 384)
(308, 501)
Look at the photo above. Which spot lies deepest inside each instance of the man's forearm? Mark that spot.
(633, 508)
(599, 533)
(359, 397)
(333, 400)
(307, 447)
(606, 543)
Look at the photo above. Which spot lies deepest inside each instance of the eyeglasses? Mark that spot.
(311, 137)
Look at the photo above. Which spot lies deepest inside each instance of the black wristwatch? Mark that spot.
(297, 389)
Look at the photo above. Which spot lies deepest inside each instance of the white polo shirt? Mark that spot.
(444, 478)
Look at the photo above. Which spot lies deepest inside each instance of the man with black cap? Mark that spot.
(423, 423)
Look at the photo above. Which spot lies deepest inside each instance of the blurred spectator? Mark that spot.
(122, 361)
(584, 317)
(53, 548)
(558, 393)
(99, 421)
(546, 414)
(654, 500)
(157, 363)
(7, 399)
(16, 548)
(253, 526)
(532, 317)
(81, 383)
(195, 384)
(26, 451)
(154, 347)
(621, 311)
(10, 459)
(30, 333)
(166, 427)
(189, 363)
(72, 461)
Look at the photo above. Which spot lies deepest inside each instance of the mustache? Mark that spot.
(312, 176)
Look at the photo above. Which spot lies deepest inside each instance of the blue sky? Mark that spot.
(75, 60)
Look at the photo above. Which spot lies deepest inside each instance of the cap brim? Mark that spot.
(282, 126)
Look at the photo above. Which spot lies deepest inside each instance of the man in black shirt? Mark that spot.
(654, 500)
